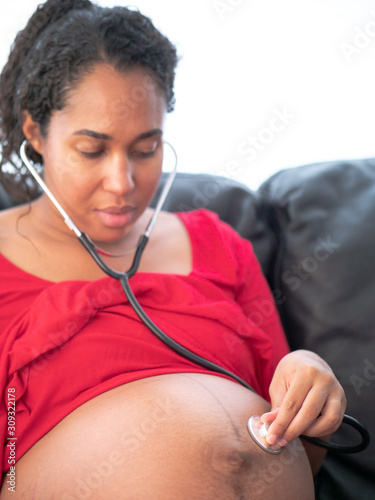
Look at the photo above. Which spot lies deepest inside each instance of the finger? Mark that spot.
(329, 420)
(316, 402)
(299, 395)
(269, 416)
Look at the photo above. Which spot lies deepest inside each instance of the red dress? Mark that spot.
(65, 343)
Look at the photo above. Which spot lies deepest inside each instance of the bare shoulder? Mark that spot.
(169, 224)
(9, 220)
(14, 212)
(14, 245)
(171, 231)
(170, 247)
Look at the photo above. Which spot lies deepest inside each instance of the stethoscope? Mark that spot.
(257, 430)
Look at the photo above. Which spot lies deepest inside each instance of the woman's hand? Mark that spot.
(306, 399)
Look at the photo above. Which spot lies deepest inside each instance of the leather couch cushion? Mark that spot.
(245, 210)
(324, 282)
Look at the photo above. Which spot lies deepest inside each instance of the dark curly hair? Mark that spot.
(63, 40)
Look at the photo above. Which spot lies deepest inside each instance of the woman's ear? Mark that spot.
(31, 130)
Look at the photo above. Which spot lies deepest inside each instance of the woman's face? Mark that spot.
(103, 152)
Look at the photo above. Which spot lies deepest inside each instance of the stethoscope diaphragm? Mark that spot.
(258, 432)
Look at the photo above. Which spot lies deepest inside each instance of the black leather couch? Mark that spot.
(313, 229)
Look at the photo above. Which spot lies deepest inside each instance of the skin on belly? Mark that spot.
(170, 437)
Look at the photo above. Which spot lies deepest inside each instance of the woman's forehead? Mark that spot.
(114, 99)
(132, 86)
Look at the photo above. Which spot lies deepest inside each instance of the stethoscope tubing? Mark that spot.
(340, 448)
(124, 277)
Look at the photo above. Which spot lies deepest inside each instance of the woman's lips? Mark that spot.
(115, 216)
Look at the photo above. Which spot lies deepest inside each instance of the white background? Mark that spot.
(245, 62)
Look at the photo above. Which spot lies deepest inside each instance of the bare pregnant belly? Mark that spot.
(170, 437)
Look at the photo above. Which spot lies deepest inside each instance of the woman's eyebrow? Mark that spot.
(150, 133)
(106, 137)
(95, 135)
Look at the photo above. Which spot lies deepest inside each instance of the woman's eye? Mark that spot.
(93, 154)
(144, 154)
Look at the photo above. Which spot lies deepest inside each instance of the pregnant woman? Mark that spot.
(103, 409)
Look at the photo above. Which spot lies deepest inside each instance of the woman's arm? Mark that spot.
(305, 395)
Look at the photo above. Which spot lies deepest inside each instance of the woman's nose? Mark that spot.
(118, 176)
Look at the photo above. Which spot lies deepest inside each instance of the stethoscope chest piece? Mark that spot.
(258, 431)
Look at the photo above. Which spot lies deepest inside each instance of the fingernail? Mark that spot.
(282, 442)
(263, 430)
(272, 439)
(275, 447)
